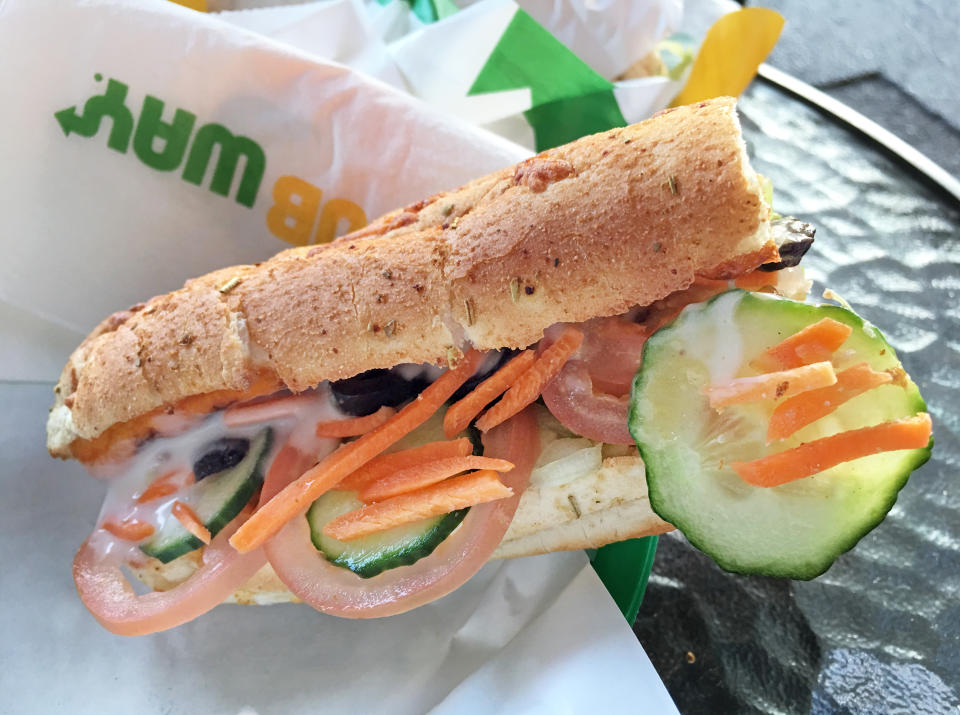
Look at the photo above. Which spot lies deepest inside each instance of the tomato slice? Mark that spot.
(590, 395)
(105, 591)
(341, 592)
(612, 349)
(571, 399)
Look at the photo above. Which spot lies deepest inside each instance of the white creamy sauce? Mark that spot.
(163, 455)
(489, 362)
(725, 356)
(719, 340)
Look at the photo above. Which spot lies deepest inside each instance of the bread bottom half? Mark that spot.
(599, 508)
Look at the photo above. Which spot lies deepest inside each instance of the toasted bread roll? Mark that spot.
(589, 229)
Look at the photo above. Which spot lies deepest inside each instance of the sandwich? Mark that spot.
(602, 342)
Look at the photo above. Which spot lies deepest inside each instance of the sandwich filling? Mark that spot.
(372, 495)
(418, 517)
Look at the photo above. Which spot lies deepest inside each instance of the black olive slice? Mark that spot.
(219, 455)
(793, 239)
(367, 392)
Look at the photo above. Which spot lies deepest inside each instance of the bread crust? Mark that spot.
(610, 221)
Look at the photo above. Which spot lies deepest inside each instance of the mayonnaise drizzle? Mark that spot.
(165, 454)
(718, 341)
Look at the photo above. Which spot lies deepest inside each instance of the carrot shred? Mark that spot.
(528, 386)
(815, 343)
(803, 409)
(700, 282)
(385, 464)
(423, 475)
(190, 521)
(816, 456)
(129, 529)
(249, 413)
(165, 485)
(442, 498)
(120, 440)
(460, 414)
(353, 426)
(771, 385)
(298, 495)
(755, 280)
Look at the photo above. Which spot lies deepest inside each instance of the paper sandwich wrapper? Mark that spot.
(585, 47)
(144, 143)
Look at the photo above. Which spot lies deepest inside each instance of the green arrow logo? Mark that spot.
(110, 104)
(69, 120)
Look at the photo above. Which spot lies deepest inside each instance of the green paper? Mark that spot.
(624, 568)
(564, 120)
(568, 98)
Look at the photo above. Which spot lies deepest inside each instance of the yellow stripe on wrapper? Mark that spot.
(200, 5)
(731, 52)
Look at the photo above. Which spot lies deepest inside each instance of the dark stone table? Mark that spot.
(880, 631)
(896, 61)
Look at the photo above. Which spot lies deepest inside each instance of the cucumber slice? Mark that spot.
(217, 500)
(795, 530)
(400, 546)
(370, 555)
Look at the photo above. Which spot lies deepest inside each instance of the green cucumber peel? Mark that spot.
(796, 530)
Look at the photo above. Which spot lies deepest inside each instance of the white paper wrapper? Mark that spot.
(338, 30)
(606, 37)
(88, 230)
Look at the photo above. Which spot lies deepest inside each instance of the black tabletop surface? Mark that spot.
(896, 61)
(880, 631)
